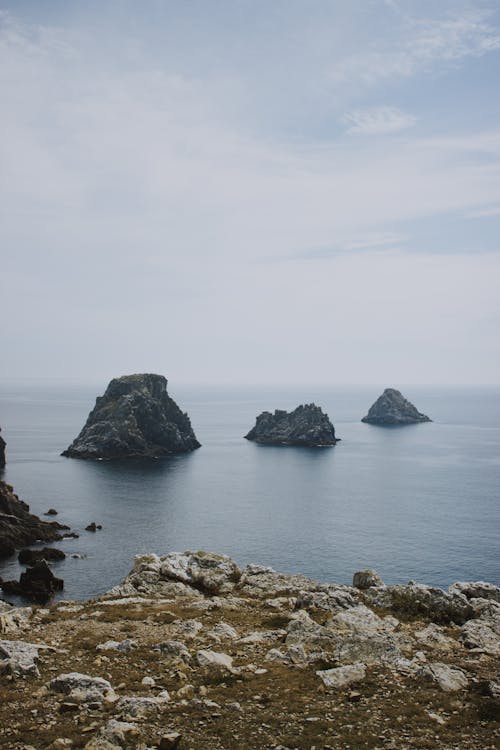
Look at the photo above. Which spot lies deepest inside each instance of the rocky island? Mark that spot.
(192, 652)
(307, 425)
(135, 418)
(391, 408)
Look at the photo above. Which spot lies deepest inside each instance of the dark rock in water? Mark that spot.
(391, 408)
(93, 526)
(51, 512)
(32, 556)
(135, 418)
(306, 425)
(2, 451)
(18, 527)
(38, 584)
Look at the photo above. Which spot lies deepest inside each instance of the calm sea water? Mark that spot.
(418, 502)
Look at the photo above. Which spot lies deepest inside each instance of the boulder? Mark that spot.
(305, 426)
(365, 579)
(134, 418)
(205, 571)
(32, 556)
(37, 584)
(18, 527)
(82, 687)
(416, 599)
(391, 408)
(449, 679)
(214, 660)
(19, 658)
(340, 677)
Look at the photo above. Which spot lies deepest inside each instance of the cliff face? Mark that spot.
(391, 408)
(2, 451)
(191, 651)
(306, 425)
(135, 418)
(18, 527)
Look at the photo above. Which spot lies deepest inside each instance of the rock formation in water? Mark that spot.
(37, 584)
(191, 651)
(18, 527)
(391, 408)
(135, 418)
(2, 451)
(306, 425)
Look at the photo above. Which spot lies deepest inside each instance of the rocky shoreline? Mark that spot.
(190, 651)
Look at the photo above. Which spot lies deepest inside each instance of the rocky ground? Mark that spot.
(191, 652)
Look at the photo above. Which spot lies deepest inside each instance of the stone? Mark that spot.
(433, 637)
(307, 426)
(391, 408)
(170, 741)
(483, 634)
(37, 584)
(138, 707)
(174, 649)
(206, 571)
(93, 527)
(123, 646)
(417, 599)
(118, 732)
(340, 677)
(51, 512)
(448, 678)
(223, 631)
(148, 682)
(360, 619)
(476, 590)
(214, 659)
(134, 418)
(31, 556)
(82, 687)
(19, 527)
(365, 579)
(14, 618)
(19, 658)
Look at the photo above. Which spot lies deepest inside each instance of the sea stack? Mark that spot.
(136, 418)
(391, 408)
(2, 451)
(307, 425)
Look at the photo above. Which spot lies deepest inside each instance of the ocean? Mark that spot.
(418, 502)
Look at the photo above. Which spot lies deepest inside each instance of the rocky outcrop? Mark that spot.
(218, 656)
(2, 451)
(391, 408)
(136, 418)
(37, 584)
(18, 527)
(306, 426)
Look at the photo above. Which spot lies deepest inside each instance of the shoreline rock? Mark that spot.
(307, 426)
(135, 418)
(392, 408)
(19, 527)
(2, 451)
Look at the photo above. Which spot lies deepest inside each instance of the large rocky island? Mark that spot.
(391, 408)
(306, 426)
(191, 652)
(135, 418)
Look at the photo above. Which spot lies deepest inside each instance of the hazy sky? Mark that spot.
(251, 190)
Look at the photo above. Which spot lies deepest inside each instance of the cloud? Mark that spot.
(419, 46)
(378, 120)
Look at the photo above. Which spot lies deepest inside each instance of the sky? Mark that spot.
(249, 191)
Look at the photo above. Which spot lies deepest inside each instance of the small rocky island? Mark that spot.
(135, 418)
(391, 408)
(307, 425)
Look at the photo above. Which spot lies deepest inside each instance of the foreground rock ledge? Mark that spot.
(392, 408)
(136, 418)
(191, 651)
(307, 425)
